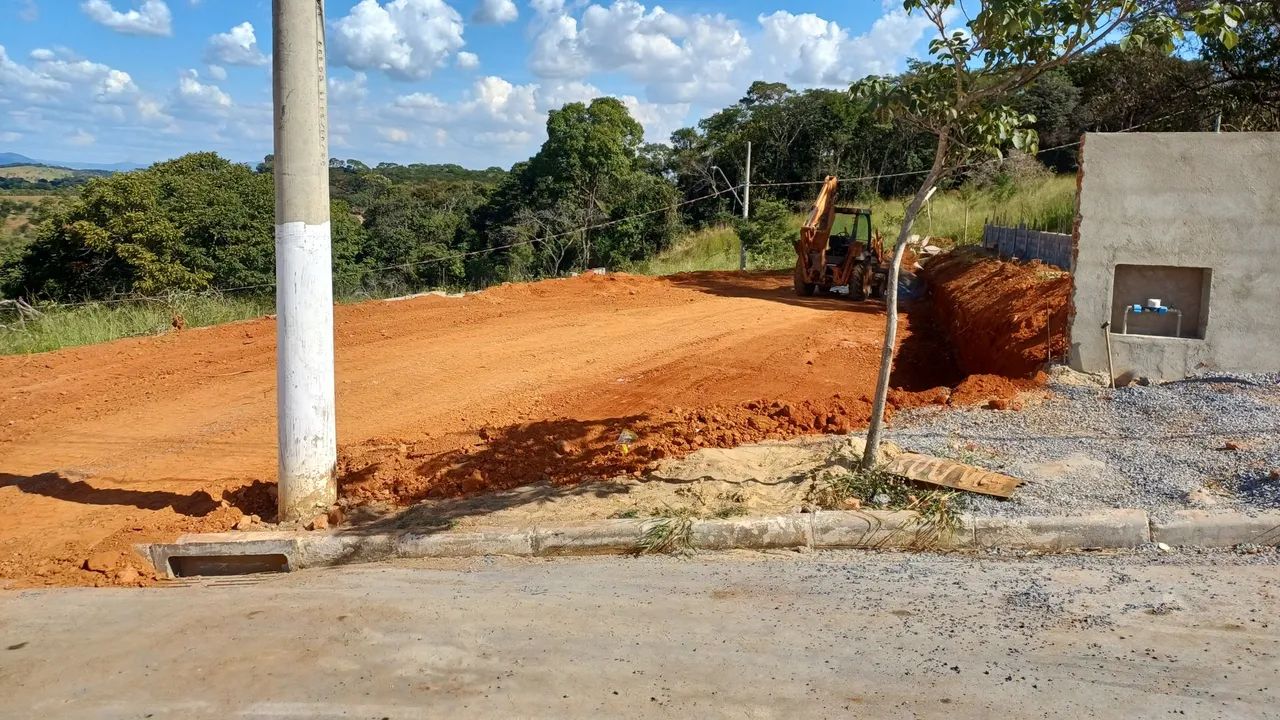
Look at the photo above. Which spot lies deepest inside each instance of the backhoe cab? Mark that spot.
(838, 249)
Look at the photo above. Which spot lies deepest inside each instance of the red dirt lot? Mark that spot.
(140, 440)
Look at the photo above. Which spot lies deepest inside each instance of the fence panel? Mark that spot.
(1025, 244)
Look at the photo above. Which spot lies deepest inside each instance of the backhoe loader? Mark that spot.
(837, 248)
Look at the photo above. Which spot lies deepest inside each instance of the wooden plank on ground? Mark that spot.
(948, 473)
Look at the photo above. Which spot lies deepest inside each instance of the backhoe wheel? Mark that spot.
(857, 282)
(803, 289)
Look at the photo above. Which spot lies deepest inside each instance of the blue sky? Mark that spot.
(462, 81)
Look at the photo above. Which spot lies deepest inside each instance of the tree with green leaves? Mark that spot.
(1247, 68)
(197, 222)
(573, 202)
(961, 94)
(769, 235)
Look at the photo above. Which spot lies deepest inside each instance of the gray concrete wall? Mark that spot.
(1179, 201)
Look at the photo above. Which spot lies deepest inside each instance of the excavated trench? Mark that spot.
(1000, 317)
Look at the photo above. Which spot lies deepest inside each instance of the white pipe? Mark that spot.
(306, 424)
(1124, 326)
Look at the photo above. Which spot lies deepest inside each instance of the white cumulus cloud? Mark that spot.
(496, 12)
(506, 118)
(198, 95)
(678, 58)
(17, 77)
(152, 17)
(349, 91)
(237, 46)
(810, 50)
(394, 135)
(688, 61)
(107, 84)
(407, 39)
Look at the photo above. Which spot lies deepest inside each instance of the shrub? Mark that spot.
(769, 236)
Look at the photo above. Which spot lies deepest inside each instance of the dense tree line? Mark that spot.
(595, 194)
(42, 185)
(202, 222)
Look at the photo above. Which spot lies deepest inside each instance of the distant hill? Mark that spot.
(8, 158)
(31, 172)
(31, 176)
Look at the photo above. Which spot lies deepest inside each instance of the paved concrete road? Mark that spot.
(735, 635)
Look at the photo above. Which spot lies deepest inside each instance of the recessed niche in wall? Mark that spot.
(1184, 289)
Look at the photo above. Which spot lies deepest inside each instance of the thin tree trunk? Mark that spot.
(876, 427)
(586, 230)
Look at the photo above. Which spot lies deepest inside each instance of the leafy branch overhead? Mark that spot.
(962, 92)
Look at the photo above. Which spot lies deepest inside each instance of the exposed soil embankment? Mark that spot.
(1001, 317)
(564, 451)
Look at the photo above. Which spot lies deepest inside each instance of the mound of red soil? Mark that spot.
(1002, 317)
(565, 451)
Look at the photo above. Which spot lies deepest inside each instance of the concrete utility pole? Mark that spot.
(746, 209)
(304, 271)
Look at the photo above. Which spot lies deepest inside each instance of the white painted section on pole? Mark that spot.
(304, 270)
(304, 371)
(746, 209)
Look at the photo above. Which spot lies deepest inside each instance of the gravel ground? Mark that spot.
(1208, 442)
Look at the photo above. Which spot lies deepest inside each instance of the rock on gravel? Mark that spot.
(1149, 447)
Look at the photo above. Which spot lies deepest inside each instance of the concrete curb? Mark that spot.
(233, 552)
(1206, 529)
(1112, 529)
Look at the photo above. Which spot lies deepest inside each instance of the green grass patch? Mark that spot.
(713, 248)
(846, 486)
(62, 327)
(1047, 203)
(1042, 203)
